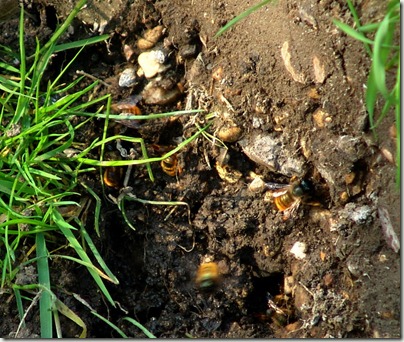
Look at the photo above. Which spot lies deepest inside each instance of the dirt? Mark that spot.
(290, 86)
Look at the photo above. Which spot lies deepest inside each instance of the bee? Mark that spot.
(170, 164)
(128, 107)
(278, 310)
(207, 276)
(113, 176)
(228, 174)
(287, 198)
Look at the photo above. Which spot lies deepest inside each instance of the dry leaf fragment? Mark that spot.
(319, 71)
(387, 228)
(298, 77)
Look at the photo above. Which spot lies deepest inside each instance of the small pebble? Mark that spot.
(229, 134)
(387, 154)
(128, 78)
(257, 185)
(128, 52)
(257, 122)
(289, 285)
(299, 250)
(302, 298)
(319, 117)
(152, 62)
(188, 51)
(160, 96)
(319, 72)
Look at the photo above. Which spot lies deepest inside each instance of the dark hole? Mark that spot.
(51, 18)
(266, 288)
(258, 298)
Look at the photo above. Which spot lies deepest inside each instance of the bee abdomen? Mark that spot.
(283, 202)
(169, 165)
(207, 276)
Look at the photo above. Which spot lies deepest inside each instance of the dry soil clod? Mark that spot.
(150, 38)
(155, 94)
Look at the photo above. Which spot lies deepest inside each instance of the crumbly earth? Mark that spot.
(290, 86)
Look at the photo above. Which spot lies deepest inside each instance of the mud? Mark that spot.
(293, 85)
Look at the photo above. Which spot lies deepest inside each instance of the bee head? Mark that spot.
(304, 188)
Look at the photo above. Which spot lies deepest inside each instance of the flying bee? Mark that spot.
(207, 276)
(287, 198)
(113, 176)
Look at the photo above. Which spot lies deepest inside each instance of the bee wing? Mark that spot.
(277, 189)
(291, 210)
(127, 103)
(130, 123)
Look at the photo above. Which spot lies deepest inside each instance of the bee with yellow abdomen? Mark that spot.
(170, 165)
(113, 176)
(207, 276)
(287, 198)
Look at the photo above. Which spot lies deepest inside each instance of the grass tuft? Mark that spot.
(40, 206)
(385, 58)
(36, 184)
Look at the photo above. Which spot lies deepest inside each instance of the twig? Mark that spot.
(34, 301)
(81, 72)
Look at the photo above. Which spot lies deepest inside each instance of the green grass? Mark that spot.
(385, 58)
(42, 209)
(241, 16)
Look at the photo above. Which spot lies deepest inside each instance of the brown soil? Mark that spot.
(294, 85)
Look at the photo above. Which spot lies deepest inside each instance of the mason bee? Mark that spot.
(287, 198)
(169, 165)
(228, 174)
(278, 309)
(128, 107)
(207, 276)
(113, 176)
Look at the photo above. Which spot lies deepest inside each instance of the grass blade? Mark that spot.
(66, 229)
(240, 17)
(398, 127)
(66, 311)
(97, 208)
(98, 256)
(380, 56)
(371, 97)
(352, 32)
(141, 327)
(62, 29)
(112, 325)
(45, 302)
(80, 43)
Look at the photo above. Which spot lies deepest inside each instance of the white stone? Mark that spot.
(299, 250)
(152, 62)
(127, 78)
